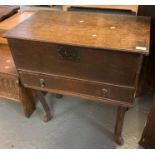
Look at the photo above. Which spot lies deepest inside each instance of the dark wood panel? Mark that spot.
(147, 82)
(92, 64)
(124, 33)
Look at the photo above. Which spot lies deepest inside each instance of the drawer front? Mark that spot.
(114, 67)
(54, 83)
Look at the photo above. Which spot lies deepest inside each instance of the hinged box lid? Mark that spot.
(115, 32)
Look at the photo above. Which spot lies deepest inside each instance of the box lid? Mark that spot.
(115, 32)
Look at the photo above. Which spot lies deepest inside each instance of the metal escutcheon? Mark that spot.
(68, 53)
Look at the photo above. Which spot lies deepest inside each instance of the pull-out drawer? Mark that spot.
(87, 89)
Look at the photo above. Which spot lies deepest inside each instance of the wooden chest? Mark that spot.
(91, 73)
(90, 55)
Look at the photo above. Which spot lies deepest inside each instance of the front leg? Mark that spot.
(27, 97)
(48, 114)
(119, 125)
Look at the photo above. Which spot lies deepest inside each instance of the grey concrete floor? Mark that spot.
(77, 123)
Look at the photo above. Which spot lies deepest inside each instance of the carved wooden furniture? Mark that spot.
(10, 87)
(90, 55)
(148, 136)
(7, 11)
(11, 22)
(133, 8)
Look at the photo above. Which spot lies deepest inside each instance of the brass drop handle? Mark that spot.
(104, 92)
(42, 83)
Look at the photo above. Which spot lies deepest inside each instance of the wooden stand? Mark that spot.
(67, 72)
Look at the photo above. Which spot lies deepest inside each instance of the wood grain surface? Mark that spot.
(117, 32)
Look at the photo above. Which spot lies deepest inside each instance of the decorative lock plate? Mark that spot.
(68, 53)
